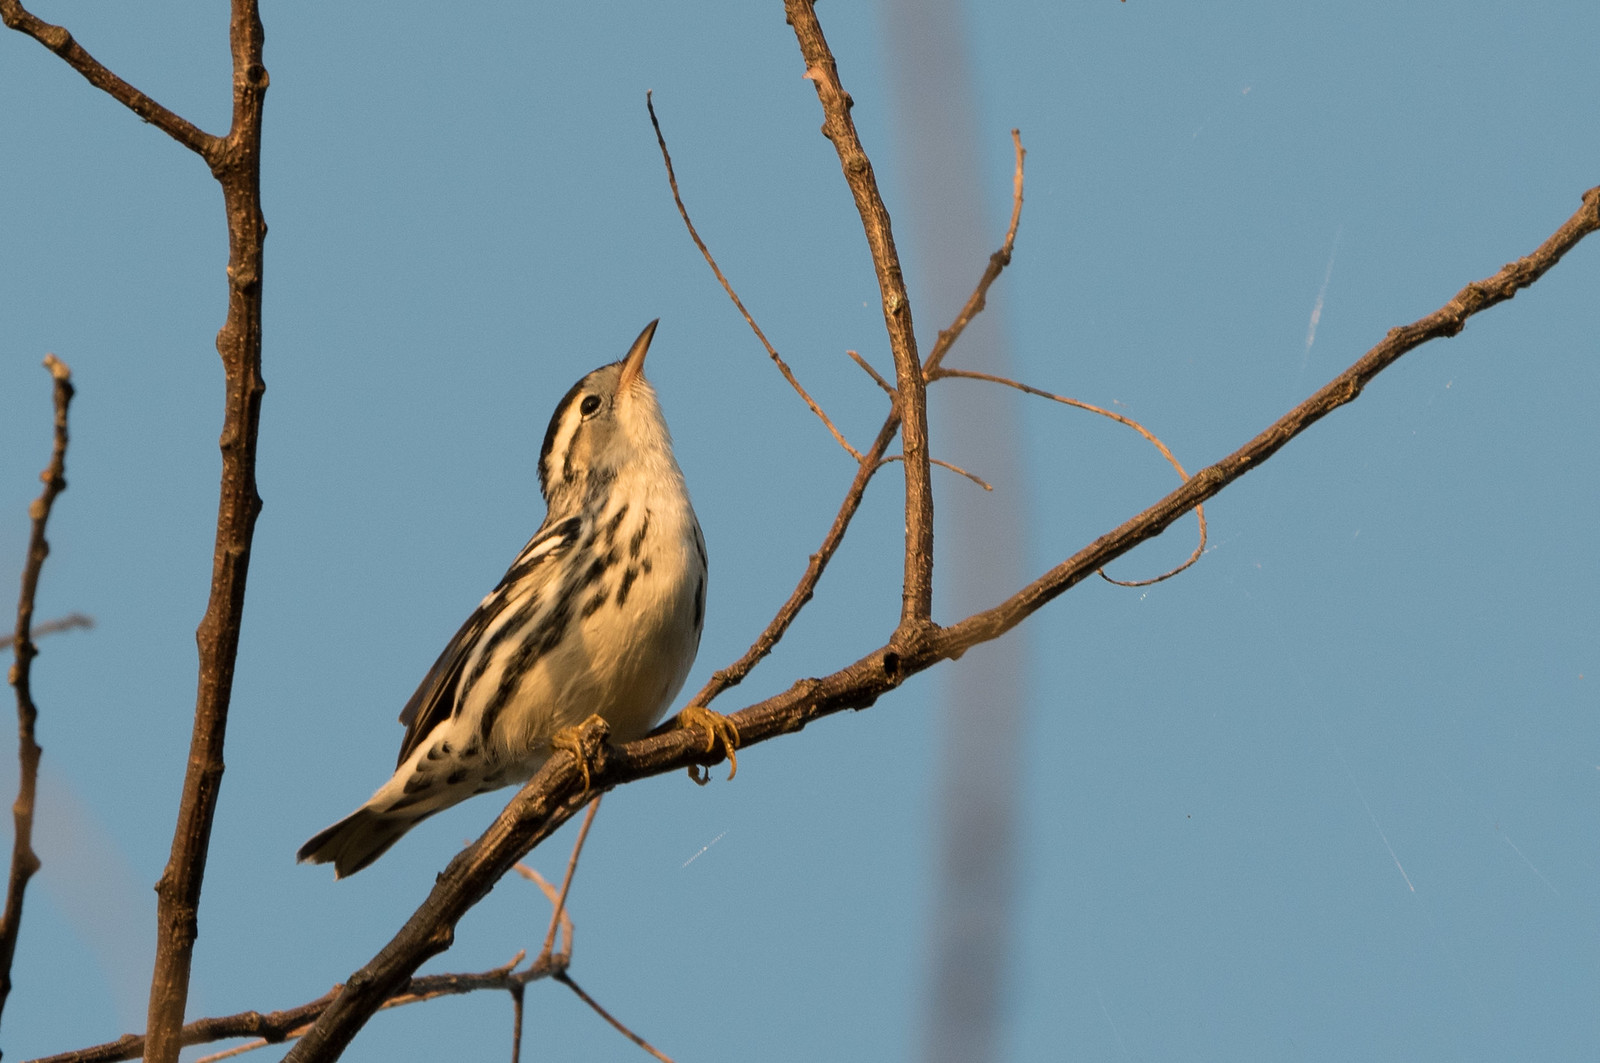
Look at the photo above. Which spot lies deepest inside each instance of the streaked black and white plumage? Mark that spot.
(599, 614)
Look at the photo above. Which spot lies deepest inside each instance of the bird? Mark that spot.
(600, 613)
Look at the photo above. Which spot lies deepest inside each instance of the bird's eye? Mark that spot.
(589, 404)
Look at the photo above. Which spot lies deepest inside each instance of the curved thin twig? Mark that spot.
(777, 360)
(1200, 511)
(997, 262)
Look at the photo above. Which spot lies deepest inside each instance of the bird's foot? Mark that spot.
(720, 730)
(579, 740)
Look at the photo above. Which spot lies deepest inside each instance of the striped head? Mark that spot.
(608, 422)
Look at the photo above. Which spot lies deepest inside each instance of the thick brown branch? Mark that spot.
(24, 862)
(705, 252)
(557, 792)
(916, 608)
(237, 167)
(59, 41)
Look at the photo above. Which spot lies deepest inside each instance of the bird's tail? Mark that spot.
(359, 838)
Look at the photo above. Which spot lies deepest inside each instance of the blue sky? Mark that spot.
(1329, 795)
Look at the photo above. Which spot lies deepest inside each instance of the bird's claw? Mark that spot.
(720, 731)
(571, 740)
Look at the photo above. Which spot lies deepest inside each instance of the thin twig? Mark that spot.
(565, 979)
(552, 895)
(777, 360)
(566, 883)
(980, 481)
(52, 627)
(24, 862)
(1200, 511)
(59, 41)
(997, 262)
(916, 602)
(873, 373)
(518, 991)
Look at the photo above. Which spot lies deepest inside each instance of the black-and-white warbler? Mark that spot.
(599, 613)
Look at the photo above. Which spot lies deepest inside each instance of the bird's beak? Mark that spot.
(633, 364)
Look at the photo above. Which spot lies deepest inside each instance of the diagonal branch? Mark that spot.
(558, 791)
(777, 359)
(24, 862)
(61, 42)
(916, 607)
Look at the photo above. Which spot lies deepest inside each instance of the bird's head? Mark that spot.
(609, 421)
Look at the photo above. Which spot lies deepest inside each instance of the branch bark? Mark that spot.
(916, 607)
(236, 164)
(24, 862)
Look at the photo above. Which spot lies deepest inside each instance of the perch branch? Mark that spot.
(24, 862)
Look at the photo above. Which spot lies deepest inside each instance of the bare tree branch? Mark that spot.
(59, 41)
(24, 862)
(916, 608)
(557, 792)
(236, 164)
(777, 360)
(52, 627)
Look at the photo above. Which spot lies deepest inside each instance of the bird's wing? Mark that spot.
(435, 699)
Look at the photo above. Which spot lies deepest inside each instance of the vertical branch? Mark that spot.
(236, 164)
(24, 862)
(917, 595)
